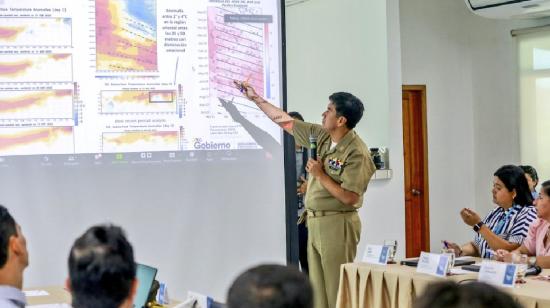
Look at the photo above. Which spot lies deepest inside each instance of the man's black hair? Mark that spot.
(348, 106)
(296, 115)
(449, 294)
(8, 228)
(101, 268)
(271, 286)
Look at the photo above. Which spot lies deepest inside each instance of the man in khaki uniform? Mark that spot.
(338, 179)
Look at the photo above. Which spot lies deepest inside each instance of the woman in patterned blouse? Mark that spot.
(506, 226)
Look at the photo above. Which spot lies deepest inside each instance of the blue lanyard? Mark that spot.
(500, 226)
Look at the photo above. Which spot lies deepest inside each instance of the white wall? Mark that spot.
(469, 66)
(349, 45)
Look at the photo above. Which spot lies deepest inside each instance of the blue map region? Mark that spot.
(144, 10)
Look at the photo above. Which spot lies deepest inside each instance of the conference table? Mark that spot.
(396, 286)
(56, 296)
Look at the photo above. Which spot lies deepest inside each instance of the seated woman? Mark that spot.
(532, 179)
(537, 243)
(505, 227)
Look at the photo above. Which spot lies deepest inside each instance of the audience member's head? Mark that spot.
(513, 178)
(102, 271)
(270, 286)
(531, 175)
(296, 115)
(448, 294)
(14, 257)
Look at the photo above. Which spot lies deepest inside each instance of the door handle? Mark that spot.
(416, 192)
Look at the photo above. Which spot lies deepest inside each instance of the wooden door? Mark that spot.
(415, 153)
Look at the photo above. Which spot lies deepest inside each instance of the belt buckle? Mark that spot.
(314, 213)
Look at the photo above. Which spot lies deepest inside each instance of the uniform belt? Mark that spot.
(312, 213)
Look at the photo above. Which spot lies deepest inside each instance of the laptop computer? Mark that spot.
(145, 275)
(414, 262)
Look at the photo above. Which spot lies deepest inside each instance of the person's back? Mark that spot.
(448, 294)
(270, 286)
(102, 271)
(14, 258)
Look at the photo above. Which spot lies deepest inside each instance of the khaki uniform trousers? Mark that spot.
(332, 241)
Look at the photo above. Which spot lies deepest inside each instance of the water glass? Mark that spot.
(521, 261)
(392, 244)
(450, 253)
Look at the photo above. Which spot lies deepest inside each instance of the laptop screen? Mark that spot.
(145, 275)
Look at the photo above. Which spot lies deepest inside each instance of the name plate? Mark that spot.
(498, 273)
(433, 264)
(197, 300)
(376, 254)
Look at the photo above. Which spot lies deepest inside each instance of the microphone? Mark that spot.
(313, 147)
(533, 271)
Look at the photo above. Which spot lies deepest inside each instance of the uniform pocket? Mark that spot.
(352, 225)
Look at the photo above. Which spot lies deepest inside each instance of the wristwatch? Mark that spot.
(532, 261)
(477, 226)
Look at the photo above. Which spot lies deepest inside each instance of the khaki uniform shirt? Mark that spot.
(348, 164)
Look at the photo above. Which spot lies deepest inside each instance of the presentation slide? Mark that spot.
(125, 79)
(124, 112)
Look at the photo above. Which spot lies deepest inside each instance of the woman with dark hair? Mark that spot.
(532, 179)
(537, 243)
(506, 226)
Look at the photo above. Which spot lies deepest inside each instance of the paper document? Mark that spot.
(32, 293)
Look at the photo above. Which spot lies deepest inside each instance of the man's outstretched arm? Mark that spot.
(277, 115)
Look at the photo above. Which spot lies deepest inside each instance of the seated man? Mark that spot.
(449, 294)
(102, 271)
(270, 286)
(14, 258)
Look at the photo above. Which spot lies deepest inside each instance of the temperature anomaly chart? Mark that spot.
(126, 33)
(117, 76)
(138, 101)
(140, 141)
(53, 104)
(35, 31)
(36, 68)
(36, 140)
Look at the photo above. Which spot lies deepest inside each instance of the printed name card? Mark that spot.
(376, 254)
(433, 264)
(197, 300)
(498, 273)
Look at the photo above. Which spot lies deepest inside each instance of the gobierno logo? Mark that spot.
(199, 144)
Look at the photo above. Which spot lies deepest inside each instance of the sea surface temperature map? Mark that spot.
(122, 76)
